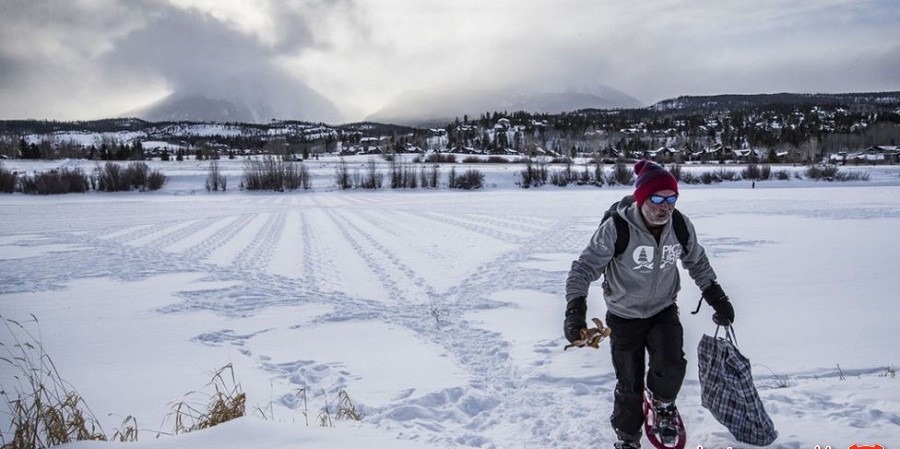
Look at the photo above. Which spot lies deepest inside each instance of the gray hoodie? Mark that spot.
(643, 280)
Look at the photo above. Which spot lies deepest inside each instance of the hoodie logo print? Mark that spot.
(644, 255)
(670, 254)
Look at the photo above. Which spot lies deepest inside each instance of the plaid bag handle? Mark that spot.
(729, 329)
(729, 334)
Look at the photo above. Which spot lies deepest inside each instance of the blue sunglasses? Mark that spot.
(659, 199)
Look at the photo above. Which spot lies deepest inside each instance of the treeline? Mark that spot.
(810, 126)
(810, 130)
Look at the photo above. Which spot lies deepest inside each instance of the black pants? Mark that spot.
(662, 337)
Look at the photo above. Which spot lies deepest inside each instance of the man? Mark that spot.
(640, 287)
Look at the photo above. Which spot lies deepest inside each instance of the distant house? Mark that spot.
(374, 145)
(783, 156)
(877, 154)
(716, 151)
(410, 148)
(664, 154)
(750, 154)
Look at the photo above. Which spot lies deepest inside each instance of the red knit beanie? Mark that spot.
(651, 178)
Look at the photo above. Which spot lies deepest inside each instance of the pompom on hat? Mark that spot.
(651, 178)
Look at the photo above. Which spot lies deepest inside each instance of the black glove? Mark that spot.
(576, 311)
(717, 298)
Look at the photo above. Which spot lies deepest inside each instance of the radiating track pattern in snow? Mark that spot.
(334, 240)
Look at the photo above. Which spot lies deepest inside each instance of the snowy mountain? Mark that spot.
(302, 104)
(743, 101)
(193, 108)
(436, 106)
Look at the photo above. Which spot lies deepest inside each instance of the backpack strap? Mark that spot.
(622, 234)
(681, 230)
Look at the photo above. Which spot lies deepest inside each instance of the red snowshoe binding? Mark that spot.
(663, 425)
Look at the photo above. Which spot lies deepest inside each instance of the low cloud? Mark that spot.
(93, 53)
(94, 58)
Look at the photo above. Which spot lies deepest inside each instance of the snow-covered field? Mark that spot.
(440, 312)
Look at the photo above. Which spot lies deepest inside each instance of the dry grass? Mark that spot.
(44, 410)
(346, 409)
(226, 403)
(128, 430)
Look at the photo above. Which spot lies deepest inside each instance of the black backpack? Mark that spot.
(623, 234)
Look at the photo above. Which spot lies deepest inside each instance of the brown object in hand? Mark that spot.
(591, 336)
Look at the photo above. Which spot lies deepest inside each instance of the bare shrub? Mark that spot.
(8, 180)
(832, 173)
(621, 175)
(565, 176)
(687, 177)
(675, 170)
(136, 174)
(428, 178)
(598, 178)
(263, 174)
(709, 177)
(757, 172)
(403, 176)
(215, 180)
(44, 410)
(342, 175)
(821, 172)
(534, 175)
(156, 180)
(782, 175)
(64, 180)
(584, 177)
(296, 176)
(371, 179)
(111, 177)
(471, 179)
(274, 173)
(851, 176)
(728, 175)
(440, 158)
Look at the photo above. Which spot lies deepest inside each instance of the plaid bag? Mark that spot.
(727, 390)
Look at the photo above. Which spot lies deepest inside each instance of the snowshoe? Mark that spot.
(663, 425)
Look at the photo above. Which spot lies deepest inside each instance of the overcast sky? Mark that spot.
(86, 59)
